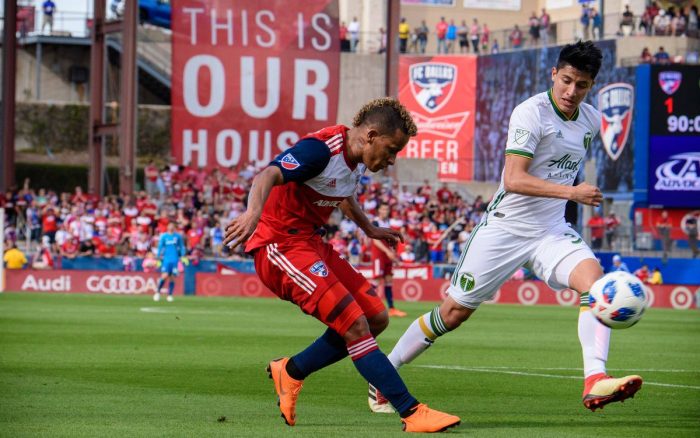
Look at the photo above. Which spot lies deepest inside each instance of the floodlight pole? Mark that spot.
(391, 68)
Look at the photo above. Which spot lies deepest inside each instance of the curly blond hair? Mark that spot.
(386, 114)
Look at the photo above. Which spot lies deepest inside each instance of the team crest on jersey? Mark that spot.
(466, 281)
(616, 102)
(289, 162)
(521, 136)
(319, 269)
(432, 84)
(670, 81)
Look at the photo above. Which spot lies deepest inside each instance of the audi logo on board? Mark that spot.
(120, 284)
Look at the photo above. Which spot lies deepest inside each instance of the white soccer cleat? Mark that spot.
(156, 296)
(170, 298)
(378, 403)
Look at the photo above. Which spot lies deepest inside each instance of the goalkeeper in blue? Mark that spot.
(171, 249)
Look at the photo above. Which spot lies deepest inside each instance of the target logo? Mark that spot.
(212, 286)
(251, 287)
(412, 290)
(444, 289)
(681, 298)
(528, 294)
(650, 296)
(567, 297)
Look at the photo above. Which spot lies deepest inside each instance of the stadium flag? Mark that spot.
(440, 92)
(250, 78)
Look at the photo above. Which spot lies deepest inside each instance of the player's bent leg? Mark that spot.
(378, 323)
(426, 329)
(599, 388)
(374, 366)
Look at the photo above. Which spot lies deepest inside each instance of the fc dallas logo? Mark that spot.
(615, 102)
(432, 84)
(670, 81)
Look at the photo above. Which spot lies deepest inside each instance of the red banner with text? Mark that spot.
(440, 92)
(70, 281)
(249, 78)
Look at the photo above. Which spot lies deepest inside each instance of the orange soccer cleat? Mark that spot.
(393, 311)
(286, 387)
(600, 389)
(424, 419)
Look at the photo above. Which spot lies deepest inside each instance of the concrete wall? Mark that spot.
(361, 79)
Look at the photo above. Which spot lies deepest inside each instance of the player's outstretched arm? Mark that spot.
(241, 228)
(516, 179)
(351, 209)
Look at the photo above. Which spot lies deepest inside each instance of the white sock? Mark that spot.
(595, 340)
(417, 338)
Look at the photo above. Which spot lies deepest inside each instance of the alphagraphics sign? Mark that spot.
(674, 172)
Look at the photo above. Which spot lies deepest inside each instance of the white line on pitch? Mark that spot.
(649, 370)
(521, 373)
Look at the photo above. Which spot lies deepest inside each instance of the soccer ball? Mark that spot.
(618, 299)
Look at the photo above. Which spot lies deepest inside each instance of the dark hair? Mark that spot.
(386, 115)
(583, 55)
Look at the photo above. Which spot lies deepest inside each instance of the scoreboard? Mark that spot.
(673, 173)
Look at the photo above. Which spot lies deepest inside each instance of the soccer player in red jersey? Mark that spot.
(383, 258)
(289, 202)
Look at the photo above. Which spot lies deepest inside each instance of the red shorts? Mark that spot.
(382, 267)
(313, 276)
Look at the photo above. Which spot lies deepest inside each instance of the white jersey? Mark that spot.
(557, 146)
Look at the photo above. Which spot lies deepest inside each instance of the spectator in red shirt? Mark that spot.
(663, 228)
(611, 224)
(70, 248)
(49, 224)
(643, 273)
(597, 226)
(437, 255)
(441, 32)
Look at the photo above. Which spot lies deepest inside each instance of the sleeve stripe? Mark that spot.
(521, 153)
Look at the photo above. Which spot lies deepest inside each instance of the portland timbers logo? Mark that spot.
(466, 281)
(587, 139)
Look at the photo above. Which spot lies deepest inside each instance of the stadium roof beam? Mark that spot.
(9, 63)
(126, 126)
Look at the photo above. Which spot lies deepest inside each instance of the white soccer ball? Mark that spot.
(618, 299)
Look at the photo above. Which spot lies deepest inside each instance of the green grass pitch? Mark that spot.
(98, 365)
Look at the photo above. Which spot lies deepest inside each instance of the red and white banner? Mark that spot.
(402, 272)
(440, 92)
(69, 281)
(249, 78)
(512, 292)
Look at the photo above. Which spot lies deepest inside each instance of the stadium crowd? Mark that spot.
(52, 225)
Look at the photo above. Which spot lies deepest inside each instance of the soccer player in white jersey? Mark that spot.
(548, 138)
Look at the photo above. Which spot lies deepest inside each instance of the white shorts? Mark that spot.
(493, 254)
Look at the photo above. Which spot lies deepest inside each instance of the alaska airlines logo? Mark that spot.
(615, 102)
(681, 173)
(326, 203)
(564, 162)
(670, 81)
(432, 84)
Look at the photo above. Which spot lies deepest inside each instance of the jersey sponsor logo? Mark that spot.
(466, 281)
(565, 162)
(615, 102)
(680, 173)
(670, 81)
(432, 84)
(327, 203)
(521, 136)
(289, 162)
(319, 269)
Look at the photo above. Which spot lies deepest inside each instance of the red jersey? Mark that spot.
(318, 176)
